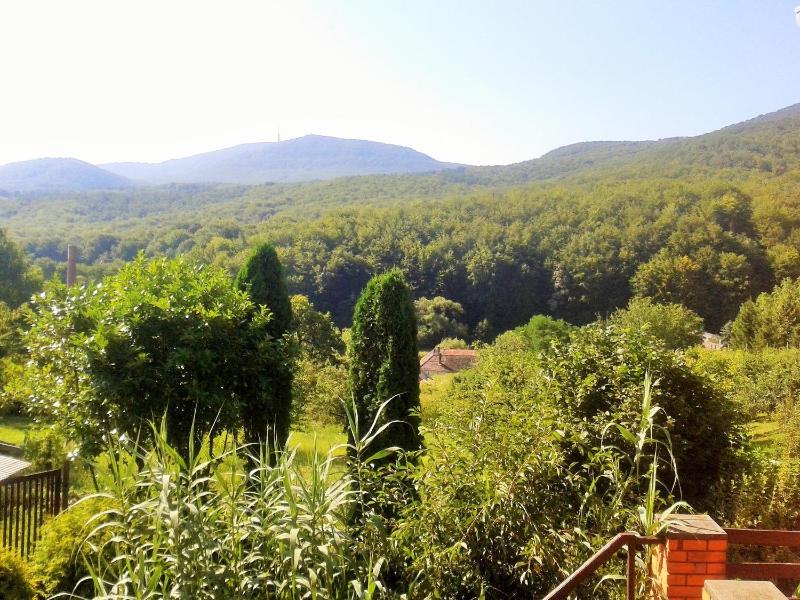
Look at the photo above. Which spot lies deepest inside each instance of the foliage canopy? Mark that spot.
(159, 337)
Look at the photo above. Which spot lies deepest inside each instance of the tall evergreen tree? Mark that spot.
(266, 417)
(384, 362)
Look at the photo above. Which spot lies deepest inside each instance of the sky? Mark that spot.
(478, 82)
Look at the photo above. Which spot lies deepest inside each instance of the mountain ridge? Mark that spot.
(320, 158)
(56, 174)
(307, 158)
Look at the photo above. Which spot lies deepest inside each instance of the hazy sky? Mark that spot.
(464, 81)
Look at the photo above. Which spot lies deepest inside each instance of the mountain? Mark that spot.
(57, 174)
(308, 158)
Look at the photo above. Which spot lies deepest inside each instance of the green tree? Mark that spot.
(159, 338)
(317, 335)
(542, 331)
(785, 261)
(438, 318)
(674, 324)
(772, 321)
(263, 278)
(17, 280)
(670, 279)
(384, 363)
(267, 417)
(320, 382)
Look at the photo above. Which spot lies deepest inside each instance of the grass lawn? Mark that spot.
(316, 439)
(765, 433)
(12, 429)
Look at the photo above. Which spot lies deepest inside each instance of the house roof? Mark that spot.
(448, 361)
(11, 466)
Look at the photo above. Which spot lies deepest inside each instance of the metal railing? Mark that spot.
(632, 540)
(25, 501)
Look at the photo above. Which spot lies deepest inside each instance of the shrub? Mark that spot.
(320, 384)
(542, 331)
(45, 449)
(266, 414)
(453, 344)
(57, 563)
(503, 510)
(14, 578)
(159, 337)
(759, 382)
(674, 324)
(384, 362)
(319, 391)
(597, 377)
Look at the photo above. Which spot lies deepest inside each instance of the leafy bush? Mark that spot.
(674, 324)
(596, 378)
(12, 356)
(496, 501)
(542, 331)
(158, 337)
(319, 391)
(13, 391)
(57, 563)
(453, 344)
(759, 382)
(504, 511)
(14, 578)
(320, 384)
(44, 448)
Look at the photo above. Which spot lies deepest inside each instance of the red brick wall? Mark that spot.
(681, 568)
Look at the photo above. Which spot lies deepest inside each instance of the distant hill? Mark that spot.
(312, 157)
(57, 174)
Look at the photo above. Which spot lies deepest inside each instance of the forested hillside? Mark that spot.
(708, 221)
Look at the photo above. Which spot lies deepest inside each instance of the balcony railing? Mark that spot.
(764, 571)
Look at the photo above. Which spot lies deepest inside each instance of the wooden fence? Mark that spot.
(25, 501)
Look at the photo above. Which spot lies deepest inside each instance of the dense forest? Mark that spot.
(711, 221)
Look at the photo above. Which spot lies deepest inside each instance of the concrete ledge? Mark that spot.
(683, 527)
(741, 590)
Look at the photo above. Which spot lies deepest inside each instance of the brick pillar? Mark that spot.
(696, 549)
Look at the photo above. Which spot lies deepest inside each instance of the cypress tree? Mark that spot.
(384, 362)
(266, 416)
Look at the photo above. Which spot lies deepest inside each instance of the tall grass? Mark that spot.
(638, 498)
(199, 528)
